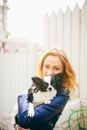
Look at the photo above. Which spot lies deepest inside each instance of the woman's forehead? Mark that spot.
(53, 60)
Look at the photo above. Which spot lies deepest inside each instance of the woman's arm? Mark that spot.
(43, 113)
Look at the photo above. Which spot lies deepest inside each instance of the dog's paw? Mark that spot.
(31, 112)
(47, 102)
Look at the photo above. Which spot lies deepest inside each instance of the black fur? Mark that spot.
(56, 81)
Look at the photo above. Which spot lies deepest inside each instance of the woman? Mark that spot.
(46, 115)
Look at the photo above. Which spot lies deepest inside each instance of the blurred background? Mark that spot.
(27, 29)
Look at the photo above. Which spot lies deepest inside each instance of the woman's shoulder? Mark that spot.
(64, 91)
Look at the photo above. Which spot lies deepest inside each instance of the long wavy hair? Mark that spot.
(69, 81)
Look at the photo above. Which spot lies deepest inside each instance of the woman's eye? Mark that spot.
(56, 68)
(46, 66)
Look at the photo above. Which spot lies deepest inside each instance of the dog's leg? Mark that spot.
(31, 110)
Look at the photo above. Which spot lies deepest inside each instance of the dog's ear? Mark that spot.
(56, 81)
(59, 77)
(37, 81)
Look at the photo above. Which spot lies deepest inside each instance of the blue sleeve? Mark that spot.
(43, 113)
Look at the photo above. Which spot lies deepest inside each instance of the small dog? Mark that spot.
(43, 91)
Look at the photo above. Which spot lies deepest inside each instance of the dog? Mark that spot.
(43, 90)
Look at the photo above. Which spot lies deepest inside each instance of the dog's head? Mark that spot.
(48, 83)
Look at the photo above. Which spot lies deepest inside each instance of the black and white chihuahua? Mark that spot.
(42, 90)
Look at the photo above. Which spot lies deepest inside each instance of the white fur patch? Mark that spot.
(44, 97)
(31, 110)
(47, 79)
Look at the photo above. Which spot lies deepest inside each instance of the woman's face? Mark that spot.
(52, 65)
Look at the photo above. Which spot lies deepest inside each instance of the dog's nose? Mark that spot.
(50, 89)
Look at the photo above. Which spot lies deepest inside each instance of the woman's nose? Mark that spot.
(50, 72)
